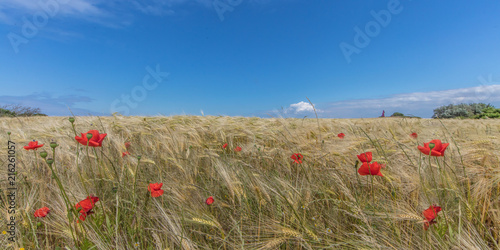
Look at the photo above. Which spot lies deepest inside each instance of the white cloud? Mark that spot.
(301, 107)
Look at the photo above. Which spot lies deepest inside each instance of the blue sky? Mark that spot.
(352, 59)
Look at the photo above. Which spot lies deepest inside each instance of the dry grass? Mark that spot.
(262, 199)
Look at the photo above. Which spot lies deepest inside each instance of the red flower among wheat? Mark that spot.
(155, 189)
(297, 158)
(33, 145)
(94, 141)
(435, 147)
(85, 206)
(42, 212)
(365, 157)
(430, 214)
(370, 169)
(210, 200)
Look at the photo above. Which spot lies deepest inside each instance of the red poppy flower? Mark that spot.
(155, 189)
(365, 157)
(33, 145)
(430, 214)
(438, 149)
(224, 146)
(127, 145)
(414, 135)
(125, 153)
(209, 200)
(95, 141)
(237, 149)
(297, 158)
(85, 206)
(341, 135)
(42, 212)
(370, 169)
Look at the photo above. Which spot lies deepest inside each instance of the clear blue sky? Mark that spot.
(248, 57)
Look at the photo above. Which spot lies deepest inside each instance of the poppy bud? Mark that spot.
(89, 136)
(53, 144)
(8, 133)
(49, 161)
(38, 224)
(431, 145)
(71, 119)
(43, 154)
(138, 157)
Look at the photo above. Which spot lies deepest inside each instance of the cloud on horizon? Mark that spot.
(419, 103)
(300, 108)
(51, 105)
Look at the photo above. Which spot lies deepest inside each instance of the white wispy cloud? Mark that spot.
(166, 7)
(10, 9)
(417, 103)
(50, 104)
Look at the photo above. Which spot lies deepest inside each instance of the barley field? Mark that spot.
(259, 197)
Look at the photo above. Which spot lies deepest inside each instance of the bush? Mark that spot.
(460, 110)
(397, 114)
(18, 110)
(489, 112)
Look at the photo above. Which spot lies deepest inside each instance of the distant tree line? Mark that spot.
(398, 114)
(464, 111)
(18, 110)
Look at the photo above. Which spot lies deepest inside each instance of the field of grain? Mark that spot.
(262, 198)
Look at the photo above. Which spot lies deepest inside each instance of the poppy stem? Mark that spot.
(433, 177)
(135, 177)
(46, 237)
(65, 198)
(357, 177)
(33, 228)
(36, 159)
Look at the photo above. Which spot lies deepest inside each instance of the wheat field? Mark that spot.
(262, 198)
